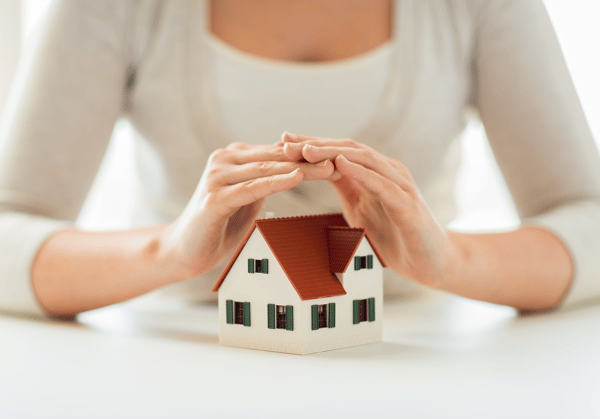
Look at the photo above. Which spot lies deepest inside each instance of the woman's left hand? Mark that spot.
(379, 194)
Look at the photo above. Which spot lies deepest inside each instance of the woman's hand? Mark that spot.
(379, 194)
(229, 196)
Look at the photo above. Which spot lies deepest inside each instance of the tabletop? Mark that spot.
(441, 356)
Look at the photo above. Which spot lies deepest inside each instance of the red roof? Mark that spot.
(342, 244)
(309, 249)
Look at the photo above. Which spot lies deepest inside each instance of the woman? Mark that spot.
(193, 77)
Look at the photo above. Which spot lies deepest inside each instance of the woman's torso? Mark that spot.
(417, 120)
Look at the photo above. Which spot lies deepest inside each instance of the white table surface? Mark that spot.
(441, 357)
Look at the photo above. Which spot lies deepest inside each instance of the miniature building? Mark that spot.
(302, 285)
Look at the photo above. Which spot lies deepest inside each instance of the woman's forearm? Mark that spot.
(529, 268)
(75, 271)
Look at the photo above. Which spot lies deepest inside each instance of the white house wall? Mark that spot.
(259, 289)
(362, 284)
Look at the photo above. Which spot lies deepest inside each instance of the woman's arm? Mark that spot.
(538, 132)
(66, 97)
(76, 271)
(529, 268)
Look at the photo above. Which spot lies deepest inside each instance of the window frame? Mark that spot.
(238, 312)
(258, 266)
(363, 262)
(317, 314)
(280, 317)
(363, 310)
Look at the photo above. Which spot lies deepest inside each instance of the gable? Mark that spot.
(243, 285)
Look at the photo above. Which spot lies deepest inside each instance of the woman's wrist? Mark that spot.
(163, 254)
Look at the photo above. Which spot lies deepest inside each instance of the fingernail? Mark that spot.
(295, 145)
(322, 163)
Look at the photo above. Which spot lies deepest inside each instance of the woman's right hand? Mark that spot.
(229, 196)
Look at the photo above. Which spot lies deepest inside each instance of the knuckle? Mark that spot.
(370, 154)
(265, 167)
(218, 155)
(350, 142)
(212, 199)
(401, 167)
(253, 189)
(213, 171)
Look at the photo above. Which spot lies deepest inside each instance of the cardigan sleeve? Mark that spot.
(58, 121)
(538, 132)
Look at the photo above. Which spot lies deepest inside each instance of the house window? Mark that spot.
(323, 316)
(363, 310)
(237, 312)
(280, 313)
(258, 266)
(363, 262)
(280, 317)
(322, 309)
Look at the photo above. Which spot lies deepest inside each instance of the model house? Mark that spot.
(302, 285)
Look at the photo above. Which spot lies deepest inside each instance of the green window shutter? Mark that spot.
(289, 317)
(314, 309)
(246, 308)
(371, 309)
(250, 266)
(357, 263)
(331, 315)
(271, 316)
(265, 266)
(229, 311)
(370, 262)
(356, 312)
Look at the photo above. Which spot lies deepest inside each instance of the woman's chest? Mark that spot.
(302, 30)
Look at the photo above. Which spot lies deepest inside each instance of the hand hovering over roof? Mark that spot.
(379, 194)
(528, 268)
(230, 194)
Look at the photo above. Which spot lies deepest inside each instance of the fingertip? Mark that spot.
(341, 158)
(323, 163)
(293, 146)
(297, 176)
(343, 165)
(288, 136)
(292, 151)
(308, 152)
(335, 176)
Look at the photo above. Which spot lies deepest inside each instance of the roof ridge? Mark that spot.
(295, 217)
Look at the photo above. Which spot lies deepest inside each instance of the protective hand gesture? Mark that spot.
(379, 194)
(229, 196)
